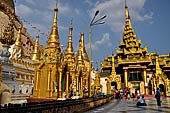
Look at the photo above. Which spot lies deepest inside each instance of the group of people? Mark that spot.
(119, 94)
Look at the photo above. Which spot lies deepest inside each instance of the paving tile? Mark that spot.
(129, 106)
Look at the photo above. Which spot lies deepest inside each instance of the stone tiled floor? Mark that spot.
(129, 106)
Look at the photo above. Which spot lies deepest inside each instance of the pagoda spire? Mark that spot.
(128, 22)
(79, 56)
(126, 7)
(130, 45)
(84, 53)
(69, 50)
(53, 40)
(18, 42)
(36, 52)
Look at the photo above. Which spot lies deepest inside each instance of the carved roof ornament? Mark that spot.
(8, 35)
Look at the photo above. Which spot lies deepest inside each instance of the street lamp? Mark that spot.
(92, 23)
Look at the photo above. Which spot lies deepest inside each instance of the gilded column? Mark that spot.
(108, 86)
(59, 84)
(125, 77)
(81, 87)
(77, 85)
(166, 87)
(36, 80)
(48, 80)
(86, 83)
(166, 92)
(51, 83)
(67, 76)
(145, 81)
(152, 86)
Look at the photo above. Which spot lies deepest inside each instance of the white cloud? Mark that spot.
(115, 11)
(30, 1)
(105, 41)
(63, 7)
(88, 2)
(77, 11)
(24, 10)
(62, 28)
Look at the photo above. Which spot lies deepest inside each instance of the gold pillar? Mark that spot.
(125, 78)
(81, 87)
(152, 86)
(50, 83)
(86, 83)
(67, 76)
(36, 82)
(145, 81)
(108, 87)
(48, 80)
(77, 85)
(59, 84)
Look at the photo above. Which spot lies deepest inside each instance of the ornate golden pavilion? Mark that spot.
(132, 67)
(58, 74)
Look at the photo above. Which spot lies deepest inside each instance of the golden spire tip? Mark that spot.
(56, 9)
(126, 4)
(37, 35)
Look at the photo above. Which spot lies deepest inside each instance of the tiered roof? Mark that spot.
(130, 46)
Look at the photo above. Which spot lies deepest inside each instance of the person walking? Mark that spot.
(121, 93)
(158, 97)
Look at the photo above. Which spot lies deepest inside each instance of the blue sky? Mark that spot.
(150, 20)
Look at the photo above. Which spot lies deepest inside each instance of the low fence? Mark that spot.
(66, 106)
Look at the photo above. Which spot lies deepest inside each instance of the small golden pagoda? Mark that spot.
(132, 68)
(36, 53)
(58, 75)
(49, 69)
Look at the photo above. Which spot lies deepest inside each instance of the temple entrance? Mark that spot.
(135, 87)
(113, 85)
(162, 89)
(150, 88)
(135, 75)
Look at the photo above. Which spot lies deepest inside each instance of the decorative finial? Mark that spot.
(71, 21)
(71, 28)
(56, 9)
(126, 4)
(37, 35)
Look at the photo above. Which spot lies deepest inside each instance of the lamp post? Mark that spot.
(92, 23)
